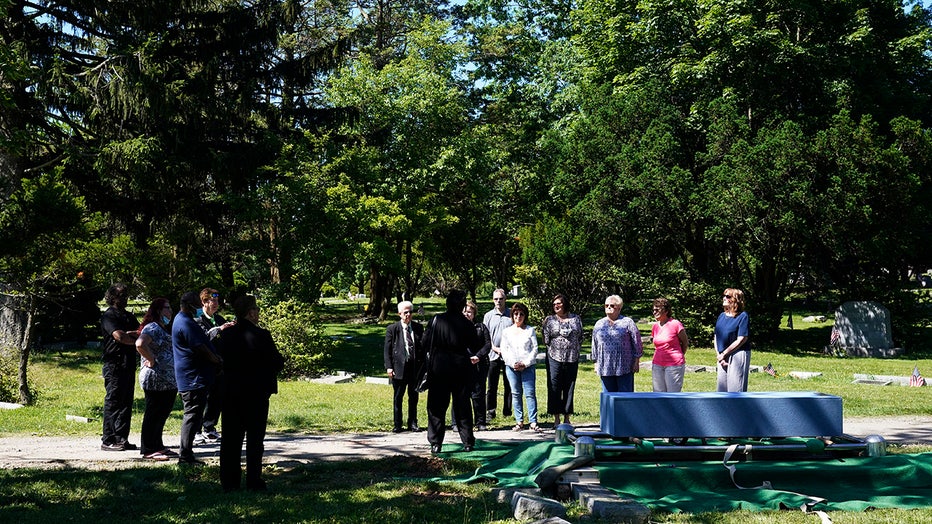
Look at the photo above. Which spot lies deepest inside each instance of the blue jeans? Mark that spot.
(523, 382)
(618, 384)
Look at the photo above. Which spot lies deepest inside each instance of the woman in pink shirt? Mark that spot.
(670, 344)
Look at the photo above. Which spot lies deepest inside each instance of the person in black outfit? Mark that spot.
(403, 356)
(450, 339)
(120, 330)
(480, 366)
(251, 363)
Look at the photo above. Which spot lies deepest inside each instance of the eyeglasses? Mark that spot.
(518, 314)
(498, 298)
(657, 309)
(215, 295)
(406, 312)
(729, 297)
(558, 304)
(611, 305)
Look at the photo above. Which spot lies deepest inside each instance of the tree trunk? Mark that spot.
(25, 396)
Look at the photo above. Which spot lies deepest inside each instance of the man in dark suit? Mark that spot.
(452, 341)
(403, 357)
(251, 364)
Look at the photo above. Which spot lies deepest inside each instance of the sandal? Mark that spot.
(518, 427)
(536, 428)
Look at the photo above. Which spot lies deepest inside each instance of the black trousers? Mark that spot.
(194, 402)
(442, 389)
(214, 405)
(244, 416)
(402, 387)
(159, 405)
(120, 384)
(478, 392)
(496, 371)
(561, 384)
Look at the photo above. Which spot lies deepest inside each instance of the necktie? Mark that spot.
(409, 338)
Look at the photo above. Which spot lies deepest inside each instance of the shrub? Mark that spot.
(9, 383)
(299, 335)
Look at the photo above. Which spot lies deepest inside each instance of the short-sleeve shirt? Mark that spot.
(112, 320)
(161, 376)
(667, 348)
(563, 337)
(728, 329)
(616, 346)
(497, 323)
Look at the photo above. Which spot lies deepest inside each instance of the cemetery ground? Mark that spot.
(385, 487)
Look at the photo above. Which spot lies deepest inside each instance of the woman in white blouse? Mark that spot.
(519, 351)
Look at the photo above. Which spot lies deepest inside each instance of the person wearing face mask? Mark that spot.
(157, 378)
(196, 365)
(213, 324)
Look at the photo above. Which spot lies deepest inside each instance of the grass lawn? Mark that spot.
(69, 382)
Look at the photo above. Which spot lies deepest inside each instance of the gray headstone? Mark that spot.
(864, 326)
(528, 507)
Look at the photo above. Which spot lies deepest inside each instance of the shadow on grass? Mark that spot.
(351, 491)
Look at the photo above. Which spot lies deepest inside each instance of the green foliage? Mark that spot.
(9, 370)
(299, 335)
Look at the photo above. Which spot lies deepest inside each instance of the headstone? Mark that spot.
(527, 507)
(803, 375)
(864, 330)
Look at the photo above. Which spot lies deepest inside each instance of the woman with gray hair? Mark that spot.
(616, 348)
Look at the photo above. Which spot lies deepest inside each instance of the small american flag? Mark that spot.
(916, 379)
(770, 371)
(835, 336)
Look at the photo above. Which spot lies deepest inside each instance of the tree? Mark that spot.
(33, 243)
(409, 112)
(696, 134)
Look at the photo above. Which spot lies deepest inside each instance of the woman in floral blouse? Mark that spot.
(563, 338)
(616, 348)
(157, 378)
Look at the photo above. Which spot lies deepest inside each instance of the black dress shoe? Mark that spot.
(482, 427)
(435, 448)
(117, 446)
(467, 449)
(129, 446)
(414, 428)
(396, 429)
(190, 461)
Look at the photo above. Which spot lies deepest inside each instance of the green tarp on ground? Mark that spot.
(850, 483)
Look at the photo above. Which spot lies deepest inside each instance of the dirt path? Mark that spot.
(282, 449)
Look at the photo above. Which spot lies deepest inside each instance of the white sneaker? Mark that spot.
(212, 436)
(199, 439)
